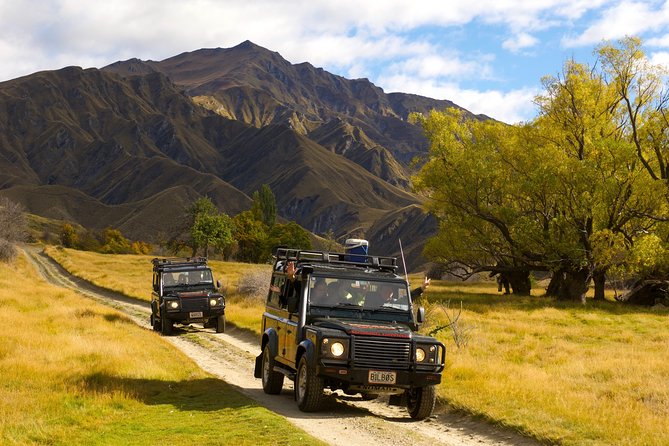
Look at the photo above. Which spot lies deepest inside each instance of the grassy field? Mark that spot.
(566, 373)
(75, 372)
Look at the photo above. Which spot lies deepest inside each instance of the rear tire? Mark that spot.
(220, 324)
(308, 388)
(272, 381)
(421, 402)
(166, 325)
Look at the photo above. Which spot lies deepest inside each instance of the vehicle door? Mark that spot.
(291, 299)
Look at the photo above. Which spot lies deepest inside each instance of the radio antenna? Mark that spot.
(406, 276)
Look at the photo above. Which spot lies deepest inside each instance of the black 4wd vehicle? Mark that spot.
(184, 292)
(346, 322)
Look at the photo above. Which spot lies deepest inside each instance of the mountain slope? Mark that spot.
(259, 87)
(132, 152)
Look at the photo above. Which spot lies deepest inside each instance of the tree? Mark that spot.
(13, 227)
(201, 206)
(264, 206)
(212, 229)
(290, 234)
(113, 242)
(68, 236)
(251, 237)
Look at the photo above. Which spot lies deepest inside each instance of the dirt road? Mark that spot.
(344, 420)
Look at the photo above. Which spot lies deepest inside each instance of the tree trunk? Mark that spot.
(575, 285)
(556, 284)
(520, 282)
(599, 279)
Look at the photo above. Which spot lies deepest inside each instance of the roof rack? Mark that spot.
(178, 261)
(347, 259)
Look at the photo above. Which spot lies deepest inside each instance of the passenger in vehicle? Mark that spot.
(333, 297)
(168, 279)
(383, 294)
(319, 292)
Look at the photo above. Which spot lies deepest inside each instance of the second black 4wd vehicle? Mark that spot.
(184, 292)
(342, 322)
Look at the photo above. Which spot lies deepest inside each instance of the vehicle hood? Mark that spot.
(366, 328)
(194, 293)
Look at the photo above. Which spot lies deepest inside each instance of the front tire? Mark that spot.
(421, 402)
(308, 388)
(272, 381)
(220, 324)
(155, 324)
(165, 324)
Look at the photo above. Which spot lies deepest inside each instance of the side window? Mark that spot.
(274, 298)
(291, 288)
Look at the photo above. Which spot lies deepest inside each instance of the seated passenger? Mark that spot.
(319, 292)
(384, 294)
(334, 295)
(168, 279)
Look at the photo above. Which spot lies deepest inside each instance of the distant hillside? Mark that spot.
(132, 145)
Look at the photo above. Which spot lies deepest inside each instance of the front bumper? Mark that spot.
(358, 378)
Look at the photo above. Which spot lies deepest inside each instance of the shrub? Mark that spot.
(7, 251)
(254, 283)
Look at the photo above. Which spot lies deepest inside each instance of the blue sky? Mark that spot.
(487, 56)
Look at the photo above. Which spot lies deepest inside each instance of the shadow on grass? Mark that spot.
(205, 394)
(486, 302)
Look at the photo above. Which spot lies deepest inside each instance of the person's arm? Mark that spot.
(290, 271)
(417, 292)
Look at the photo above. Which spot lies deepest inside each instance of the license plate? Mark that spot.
(380, 377)
(194, 314)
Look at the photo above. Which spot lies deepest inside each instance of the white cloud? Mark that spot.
(511, 106)
(661, 41)
(626, 18)
(520, 41)
(660, 58)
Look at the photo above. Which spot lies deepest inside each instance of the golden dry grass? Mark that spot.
(75, 372)
(572, 374)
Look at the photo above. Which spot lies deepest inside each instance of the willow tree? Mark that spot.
(602, 187)
(541, 195)
(489, 193)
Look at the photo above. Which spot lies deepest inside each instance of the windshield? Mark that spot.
(190, 278)
(364, 294)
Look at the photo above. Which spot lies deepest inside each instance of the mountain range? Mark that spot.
(131, 145)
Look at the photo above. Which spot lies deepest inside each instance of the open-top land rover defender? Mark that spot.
(184, 292)
(341, 322)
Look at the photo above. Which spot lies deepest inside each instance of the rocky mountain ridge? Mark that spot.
(133, 144)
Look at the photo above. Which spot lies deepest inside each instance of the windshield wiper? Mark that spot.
(388, 309)
(348, 305)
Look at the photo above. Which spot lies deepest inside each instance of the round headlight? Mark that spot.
(174, 304)
(420, 355)
(337, 349)
(213, 302)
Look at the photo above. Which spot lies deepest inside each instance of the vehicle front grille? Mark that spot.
(374, 352)
(194, 304)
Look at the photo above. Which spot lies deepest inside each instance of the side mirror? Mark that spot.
(293, 303)
(420, 315)
(218, 284)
